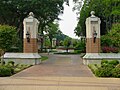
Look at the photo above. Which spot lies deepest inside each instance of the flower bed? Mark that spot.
(10, 68)
(110, 50)
(106, 69)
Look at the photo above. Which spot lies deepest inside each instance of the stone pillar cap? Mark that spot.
(31, 14)
(92, 13)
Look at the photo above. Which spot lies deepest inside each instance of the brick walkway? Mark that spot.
(58, 65)
(60, 72)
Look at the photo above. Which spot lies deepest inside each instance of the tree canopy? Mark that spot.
(8, 37)
(12, 12)
(107, 10)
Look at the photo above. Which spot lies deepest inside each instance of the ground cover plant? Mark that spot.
(11, 68)
(108, 68)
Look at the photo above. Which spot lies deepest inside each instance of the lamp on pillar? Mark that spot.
(28, 36)
(94, 36)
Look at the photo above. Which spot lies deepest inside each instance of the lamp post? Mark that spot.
(94, 36)
(28, 37)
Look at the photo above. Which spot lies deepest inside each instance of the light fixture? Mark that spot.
(28, 36)
(94, 36)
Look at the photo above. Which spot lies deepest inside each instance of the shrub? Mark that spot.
(11, 68)
(78, 51)
(116, 72)
(11, 63)
(7, 37)
(107, 49)
(112, 38)
(104, 71)
(92, 67)
(107, 69)
(5, 71)
(80, 46)
(104, 62)
(118, 66)
(114, 62)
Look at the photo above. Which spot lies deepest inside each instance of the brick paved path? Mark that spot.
(60, 72)
(58, 65)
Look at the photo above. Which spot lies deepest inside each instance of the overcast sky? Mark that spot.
(69, 20)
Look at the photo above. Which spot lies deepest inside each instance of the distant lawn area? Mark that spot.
(43, 58)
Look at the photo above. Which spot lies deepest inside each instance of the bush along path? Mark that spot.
(106, 69)
(10, 68)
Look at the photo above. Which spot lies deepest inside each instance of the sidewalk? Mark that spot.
(59, 72)
(59, 83)
(58, 66)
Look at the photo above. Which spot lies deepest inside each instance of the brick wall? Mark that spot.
(30, 47)
(92, 47)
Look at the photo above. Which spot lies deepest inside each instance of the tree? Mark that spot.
(12, 12)
(112, 39)
(52, 29)
(114, 35)
(67, 43)
(8, 37)
(109, 13)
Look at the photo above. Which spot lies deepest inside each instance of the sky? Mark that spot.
(69, 21)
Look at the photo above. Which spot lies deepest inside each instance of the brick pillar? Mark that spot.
(92, 47)
(93, 30)
(30, 33)
(31, 47)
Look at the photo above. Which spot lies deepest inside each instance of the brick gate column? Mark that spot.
(93, 34)
(30, 34)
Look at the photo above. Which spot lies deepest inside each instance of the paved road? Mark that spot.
(58, 65)
(59, 72)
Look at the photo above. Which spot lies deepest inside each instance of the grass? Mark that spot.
(43, 58)
(66, 53)
(93, 67)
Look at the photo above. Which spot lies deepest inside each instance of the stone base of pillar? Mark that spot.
(95, 58)
(23, 58)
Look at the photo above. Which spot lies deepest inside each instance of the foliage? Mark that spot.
(5, 71)
(43, 58)
(107, 69)
(106, 49)
(105, 40)
(111, 41)
(7, 37)
(114, 62)
(114, 35)
(11, 63)
(67, 53)
(116, 72)
(109, 13)
(52, 31)
(92, 67)
(47, 42)
(13, 12)
(103, 71)
(67, 43)
(80, 46)
(10, 68)
(1, 52)
(60, 38)
(45, 11)
(77, 51)
(104, 62)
